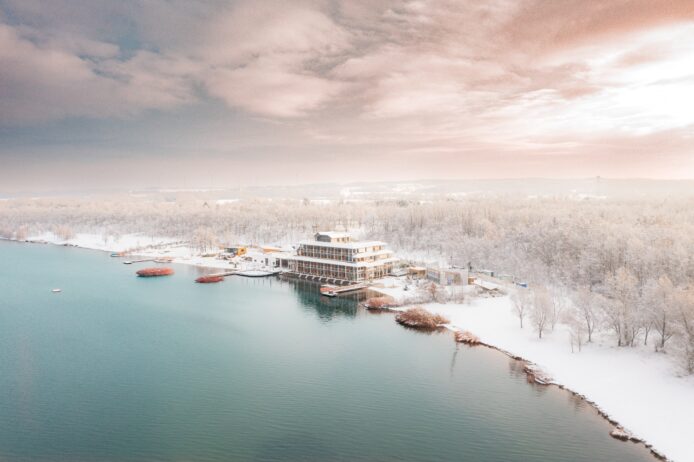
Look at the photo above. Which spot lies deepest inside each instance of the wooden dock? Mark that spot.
(154, 259)
(333, 291)
(142, 260)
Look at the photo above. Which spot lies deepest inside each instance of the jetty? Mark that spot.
(332, 291)
(142, 260)
(222, 274)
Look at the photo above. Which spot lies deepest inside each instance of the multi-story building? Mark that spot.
(335, 257)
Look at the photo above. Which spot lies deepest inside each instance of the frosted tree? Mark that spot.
(577, 329)
(558, 301)
(658, 306)
(521, 300)
(21, 233)
(684, 301)
(621, 308)
(203, 239)
(541, 310)
(586, 308)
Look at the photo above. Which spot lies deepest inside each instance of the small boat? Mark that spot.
(209, 279)
(55, 291)
(330, 293)
(154, 272)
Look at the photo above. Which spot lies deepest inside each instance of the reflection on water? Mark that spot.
(327, 308)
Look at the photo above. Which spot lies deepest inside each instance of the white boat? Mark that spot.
(55, 291)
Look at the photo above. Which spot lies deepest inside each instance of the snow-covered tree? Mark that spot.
(522, 300)
(541, 310)
(659, 307)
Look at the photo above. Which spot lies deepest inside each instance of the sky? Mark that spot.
(147, 93)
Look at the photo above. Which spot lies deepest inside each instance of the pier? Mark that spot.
(333, 291)
(130, 262)
(222, 274)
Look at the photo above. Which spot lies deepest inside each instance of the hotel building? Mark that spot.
(335, 257)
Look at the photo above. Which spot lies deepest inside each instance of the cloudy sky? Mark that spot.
(102, 94)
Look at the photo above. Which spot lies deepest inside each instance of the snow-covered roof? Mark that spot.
(487, 285)
(344, 245)
(334, 234)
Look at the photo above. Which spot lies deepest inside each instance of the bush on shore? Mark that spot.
(420, 318)
(379, 303)
(466, 337)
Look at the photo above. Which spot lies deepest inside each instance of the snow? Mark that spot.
(165, 247)
(226, 201)
(100, 242)
(636, 387)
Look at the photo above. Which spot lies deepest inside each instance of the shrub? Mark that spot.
(379, 303)
(420, 318)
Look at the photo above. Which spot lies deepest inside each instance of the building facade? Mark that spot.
(335, 257)
(447, 276)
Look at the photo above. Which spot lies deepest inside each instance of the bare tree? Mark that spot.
(659, 308)
(558, 300)
(577, 329)
(586, 306)
(522, 302)
(541, 310)
(203, 239)
(684, 301)
(621, 309)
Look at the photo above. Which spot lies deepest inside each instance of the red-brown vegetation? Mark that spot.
(467, 337)
(419, 318)
(380, 303)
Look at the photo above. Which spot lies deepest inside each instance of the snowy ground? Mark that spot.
(99, 242)
(145, 246)
(636, 387)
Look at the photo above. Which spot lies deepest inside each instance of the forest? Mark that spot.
(602, 266)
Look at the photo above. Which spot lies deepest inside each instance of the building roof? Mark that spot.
(486, 285)
(334, 234)
(344, 245)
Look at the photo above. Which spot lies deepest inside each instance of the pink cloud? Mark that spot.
(440, 77)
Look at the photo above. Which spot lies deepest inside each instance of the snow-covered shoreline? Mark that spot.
(147, 246)
(635, 388)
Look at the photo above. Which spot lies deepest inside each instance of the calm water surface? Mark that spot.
(118, 368)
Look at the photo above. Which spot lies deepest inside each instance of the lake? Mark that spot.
(120, 368)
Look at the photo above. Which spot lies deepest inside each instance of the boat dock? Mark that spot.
(222, 274)
(333, 291)
(245, 273)
(153, 259)
(142, 260)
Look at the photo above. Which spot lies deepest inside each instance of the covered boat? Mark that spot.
(152, 272)
(209, 279)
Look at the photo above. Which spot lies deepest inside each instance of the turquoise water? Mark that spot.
(120, 368)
